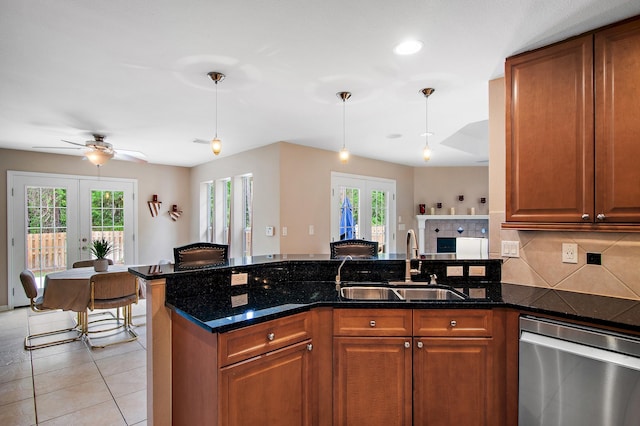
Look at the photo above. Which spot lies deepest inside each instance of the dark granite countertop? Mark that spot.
(224, 307)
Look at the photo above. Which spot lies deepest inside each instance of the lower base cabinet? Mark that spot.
(273, 389)
(372, 381)
(440, 371)
(451, 381)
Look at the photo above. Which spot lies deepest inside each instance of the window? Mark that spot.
(229, 213)
(247, 213)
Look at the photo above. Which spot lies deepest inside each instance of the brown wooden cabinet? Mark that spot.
(372, 372)
(439, 370)
(272, 389)
(260, 374)
(570, 151)
(453, 368)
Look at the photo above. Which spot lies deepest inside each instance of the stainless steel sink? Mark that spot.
(368, 293)
(428, 294)
(360, 292)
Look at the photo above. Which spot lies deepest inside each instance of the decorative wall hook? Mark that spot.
(154, 206)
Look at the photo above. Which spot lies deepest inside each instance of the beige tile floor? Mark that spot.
(69, 384)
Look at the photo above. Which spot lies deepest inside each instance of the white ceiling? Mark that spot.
(136, 70)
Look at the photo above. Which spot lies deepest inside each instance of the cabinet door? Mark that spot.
(617, 64)
(272, 389)
(549, 152)
(451, 385)
(372, 381)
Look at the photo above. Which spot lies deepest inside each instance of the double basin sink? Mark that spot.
(389, 293)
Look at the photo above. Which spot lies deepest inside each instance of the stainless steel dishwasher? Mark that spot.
(574, 375)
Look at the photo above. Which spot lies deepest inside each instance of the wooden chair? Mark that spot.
(109, 291)
(200, 255)
(30, 287)
(357, 249)
(87, 263)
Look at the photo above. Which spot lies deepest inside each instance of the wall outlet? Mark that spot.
(569, 253)
(239, 279)
(284, 231)
(454, 271)
(510, 249)
(312, 230)
(477, 271)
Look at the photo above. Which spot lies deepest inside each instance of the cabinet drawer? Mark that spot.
(453, 322)
(258, 339)
(372, 322)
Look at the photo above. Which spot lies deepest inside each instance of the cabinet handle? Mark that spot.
(453, 323)
(372, 323)
(585, 216)
(601, 216)
(407, 345)
(271, 336)
(420, 345)
(310, 347)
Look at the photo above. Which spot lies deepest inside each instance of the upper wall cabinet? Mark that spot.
(573, 133)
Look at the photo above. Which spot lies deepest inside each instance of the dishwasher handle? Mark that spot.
(597, 354)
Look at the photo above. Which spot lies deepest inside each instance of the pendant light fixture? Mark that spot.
(216, 143)
(426, 153)
(344, 153)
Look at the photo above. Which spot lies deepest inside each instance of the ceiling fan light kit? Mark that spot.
(216, 143)
(99, 157)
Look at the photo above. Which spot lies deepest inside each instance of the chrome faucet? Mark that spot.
(338, 280)
(412, 253)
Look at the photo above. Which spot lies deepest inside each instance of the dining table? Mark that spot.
(70, 290)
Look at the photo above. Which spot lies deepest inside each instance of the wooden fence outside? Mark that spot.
(48, 252)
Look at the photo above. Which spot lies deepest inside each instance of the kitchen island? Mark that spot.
(203, 303)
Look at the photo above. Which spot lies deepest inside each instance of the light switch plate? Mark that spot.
(510, 249)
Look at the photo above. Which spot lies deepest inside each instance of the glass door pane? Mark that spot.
(107, 211)
(379, 218)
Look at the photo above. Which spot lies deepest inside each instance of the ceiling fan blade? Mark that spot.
(126, 157)
(201, 141)
(74, 143)
(55, 147)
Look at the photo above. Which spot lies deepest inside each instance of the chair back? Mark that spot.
(200, 255)
(357, 249)
(87, 263)
(29, 284)
(113, 290)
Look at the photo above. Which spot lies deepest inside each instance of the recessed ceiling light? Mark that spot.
(408, 47)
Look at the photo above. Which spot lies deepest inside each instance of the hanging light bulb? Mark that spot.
(426, 152)
(344, 153)
(216, 143)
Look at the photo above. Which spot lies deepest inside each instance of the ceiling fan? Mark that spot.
(98, 151)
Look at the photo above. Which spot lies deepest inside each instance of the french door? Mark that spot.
(363, 207)
(54, 218)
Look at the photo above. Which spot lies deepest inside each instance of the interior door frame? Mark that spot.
(12, 175)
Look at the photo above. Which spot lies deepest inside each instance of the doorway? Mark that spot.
(54, 218)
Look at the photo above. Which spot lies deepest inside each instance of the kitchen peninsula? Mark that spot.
(204, 339)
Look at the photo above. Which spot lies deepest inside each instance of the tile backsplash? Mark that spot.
(540, 262)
